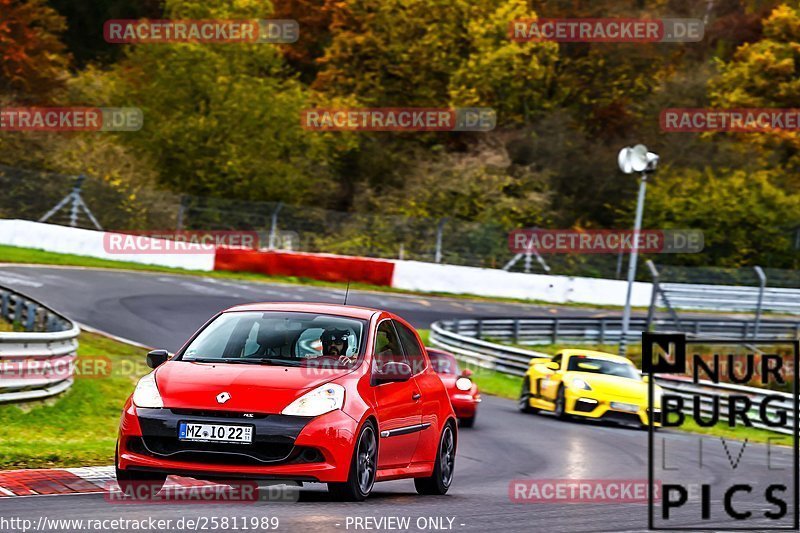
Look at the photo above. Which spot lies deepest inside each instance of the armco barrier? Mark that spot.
(48, 344)
(608, 330)
(715, 297)
(460, 337)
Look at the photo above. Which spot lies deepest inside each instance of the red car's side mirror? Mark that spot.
(466, 373)
(392, 372)
(157, 358)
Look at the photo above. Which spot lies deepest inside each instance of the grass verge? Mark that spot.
(79, 427)
(740, 433)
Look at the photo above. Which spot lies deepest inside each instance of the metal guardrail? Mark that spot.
(723, 297)
(484, 354)
(36, 362)
(462, 338)
(608, 330)
(706, 390)
(733, 298)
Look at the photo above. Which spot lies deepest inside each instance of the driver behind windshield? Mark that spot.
(334, 344)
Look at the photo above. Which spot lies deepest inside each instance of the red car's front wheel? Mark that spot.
(362, 469)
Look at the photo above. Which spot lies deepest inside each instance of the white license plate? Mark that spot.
(215, 433)
(627, 407)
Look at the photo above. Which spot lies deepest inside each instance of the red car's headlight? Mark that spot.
(319, 401)
(146, 393)
(464, 384)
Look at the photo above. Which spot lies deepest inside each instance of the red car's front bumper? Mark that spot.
(317, 449)
(465, 404)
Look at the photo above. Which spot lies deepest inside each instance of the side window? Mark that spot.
(412, 348)
(557, 359)
(387, 345)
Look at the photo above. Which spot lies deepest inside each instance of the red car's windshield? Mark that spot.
(280, 338)
(443, 363)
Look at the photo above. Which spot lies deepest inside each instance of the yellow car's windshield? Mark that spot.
(580, 363)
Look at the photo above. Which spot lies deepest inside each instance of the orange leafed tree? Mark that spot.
(33, 60)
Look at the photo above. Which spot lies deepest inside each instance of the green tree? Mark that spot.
(433, 53)
(766, 74)
(516, 79)
(746, 218)
(221, 119)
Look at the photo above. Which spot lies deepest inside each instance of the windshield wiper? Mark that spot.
(247, 361)
(223, 360)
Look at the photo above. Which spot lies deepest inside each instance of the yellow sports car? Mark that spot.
(588, 384)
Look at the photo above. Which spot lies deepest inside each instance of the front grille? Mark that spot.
(582, 406)
(222, 453)
(273, 437)
(622, 418)
(217, 414)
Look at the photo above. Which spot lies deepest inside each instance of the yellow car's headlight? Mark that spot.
(580, 384)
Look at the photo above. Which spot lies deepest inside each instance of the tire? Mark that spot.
(524, 404)
(140, 485)
(363, 468)
(561, 404)
(444, 466)
(467, 422)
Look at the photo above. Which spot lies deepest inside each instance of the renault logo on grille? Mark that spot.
(223, 397)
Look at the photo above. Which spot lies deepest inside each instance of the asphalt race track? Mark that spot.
(162, 310)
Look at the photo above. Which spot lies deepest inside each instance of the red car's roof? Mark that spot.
(323, 309)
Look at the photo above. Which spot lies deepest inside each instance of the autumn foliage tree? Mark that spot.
(33, 60)
(766, 74)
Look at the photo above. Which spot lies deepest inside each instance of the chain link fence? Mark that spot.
(744, 276)
(121, 206)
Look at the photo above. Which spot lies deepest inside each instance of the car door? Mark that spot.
(429, 388)
(396, 403)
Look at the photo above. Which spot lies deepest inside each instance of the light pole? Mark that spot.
(636, 159)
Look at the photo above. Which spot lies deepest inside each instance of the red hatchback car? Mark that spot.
(463, 391)
(299, 392)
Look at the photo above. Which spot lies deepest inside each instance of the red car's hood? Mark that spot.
(252, 388)
(449, 380)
